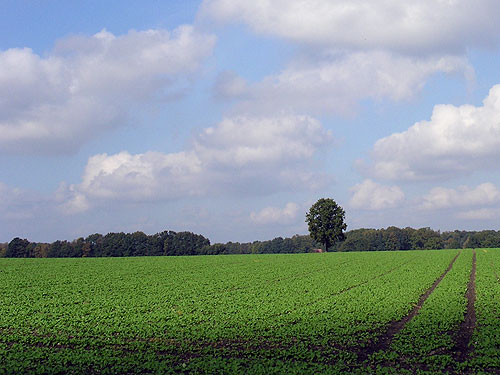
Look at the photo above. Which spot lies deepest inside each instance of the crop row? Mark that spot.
(304, 313)
(486, 338)
(428, 340)
(132, 303)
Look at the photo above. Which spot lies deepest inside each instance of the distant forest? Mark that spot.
(169, 243)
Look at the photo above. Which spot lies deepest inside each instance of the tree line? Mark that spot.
(170, 243)
(391, 238)
(110, 245)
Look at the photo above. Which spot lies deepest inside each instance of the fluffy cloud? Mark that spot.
(244, 155)
(481, 202)
(85, 85)
(138, 178)
(263, 141)
(370, 195)
(350, 51)
(482, 195)
(456, 140)
(337, 82)
(419, 27)
(276, 215)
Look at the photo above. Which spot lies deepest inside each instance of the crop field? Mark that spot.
(368, 312)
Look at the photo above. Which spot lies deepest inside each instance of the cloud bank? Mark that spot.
(481, 202)
(241, 155)
(455, 141)
(425, 26)
(54, 103)
(350, 51)
(336, 83)
(485, 194)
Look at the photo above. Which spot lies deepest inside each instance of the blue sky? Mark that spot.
(230, 118)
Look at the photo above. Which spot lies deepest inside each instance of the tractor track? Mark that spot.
(384, 341)
(462, 337)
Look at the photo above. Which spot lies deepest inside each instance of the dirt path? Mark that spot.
(463, 345)
(395, 327)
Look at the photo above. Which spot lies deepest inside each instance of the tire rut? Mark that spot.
(463, 345)
(385, 340)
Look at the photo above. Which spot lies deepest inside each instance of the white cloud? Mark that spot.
(244, 140)
(243, 155)
(139, 176)
(456, 140)
(135, 178)
(370, 195)
(85, 85)
(350, 51)
(70, 201)
(419, 27)
(482, 195)
(337, 82)
(276, 215)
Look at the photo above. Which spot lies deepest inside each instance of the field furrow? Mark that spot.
(463, 346)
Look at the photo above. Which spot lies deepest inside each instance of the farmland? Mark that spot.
(370, 312)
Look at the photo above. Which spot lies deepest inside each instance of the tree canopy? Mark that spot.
(186, 243)
(325, 220)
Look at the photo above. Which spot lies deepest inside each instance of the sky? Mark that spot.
(230, 118)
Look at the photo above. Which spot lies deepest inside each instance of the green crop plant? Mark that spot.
(255, 314)
(486, 339)
(428, 338)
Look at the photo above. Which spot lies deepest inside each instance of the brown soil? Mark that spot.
(395, 327)
(463, 345)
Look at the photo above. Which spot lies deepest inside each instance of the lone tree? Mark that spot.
(326, 222)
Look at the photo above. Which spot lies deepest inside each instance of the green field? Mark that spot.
(365, 312)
